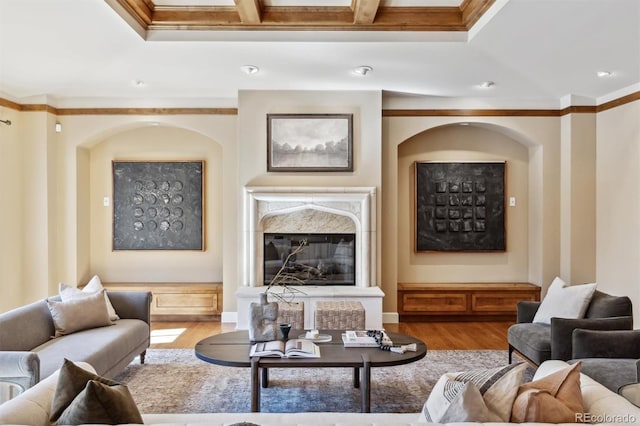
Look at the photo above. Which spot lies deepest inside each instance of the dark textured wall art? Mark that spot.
(157, 205)
(460, 206)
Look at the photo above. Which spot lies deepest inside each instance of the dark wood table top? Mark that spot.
(232, 349)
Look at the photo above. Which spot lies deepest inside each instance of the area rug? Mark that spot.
(175, 381)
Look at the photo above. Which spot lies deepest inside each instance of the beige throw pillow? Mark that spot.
(93, 286)
(556, 398)
(79, 314)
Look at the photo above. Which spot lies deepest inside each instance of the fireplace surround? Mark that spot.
(312, 210)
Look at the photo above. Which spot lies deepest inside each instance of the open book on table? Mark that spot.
(290, 349)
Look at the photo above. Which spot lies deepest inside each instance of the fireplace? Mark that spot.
(310, 210)
(326, 259)
(349, 212)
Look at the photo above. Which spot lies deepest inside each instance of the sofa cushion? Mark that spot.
(79, 314)
(613, 373)
(605, 305)
(105, 348)
(556, 398)
(564, 301)
(93, 286)
(532, 340)
(28, 337)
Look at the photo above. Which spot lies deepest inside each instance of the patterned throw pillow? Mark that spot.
(474, 396)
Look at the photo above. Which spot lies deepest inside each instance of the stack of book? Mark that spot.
(365, 339)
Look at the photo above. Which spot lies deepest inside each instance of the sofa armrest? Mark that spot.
(526, 310)
(562, 331)
(605, 344)
(132, 304)
(20, 367)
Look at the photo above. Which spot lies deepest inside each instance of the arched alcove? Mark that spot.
(456, 143)
(142, 142)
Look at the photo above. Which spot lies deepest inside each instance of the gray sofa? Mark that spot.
(28, 353)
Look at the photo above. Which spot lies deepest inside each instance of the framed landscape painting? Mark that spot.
(157, 205)
(309, 142)
(460, 206)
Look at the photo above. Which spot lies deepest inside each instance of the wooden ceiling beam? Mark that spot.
(364, 11)
(250, 11)
(362, 15)
(309, 18)
(472, 10)
(140, 10)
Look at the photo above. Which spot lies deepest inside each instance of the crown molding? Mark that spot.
(497, 112)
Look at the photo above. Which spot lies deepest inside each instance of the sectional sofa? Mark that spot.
(33, 408)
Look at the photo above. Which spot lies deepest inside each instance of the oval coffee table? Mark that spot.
(232, 349)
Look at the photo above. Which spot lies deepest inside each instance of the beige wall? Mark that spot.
(618, 203)
(464, 143)
(539, 136)
(153, 143)
(578, 201)
(11, 211)
(253, 108)
(59, 230)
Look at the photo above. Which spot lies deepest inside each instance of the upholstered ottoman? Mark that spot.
(339, 315)
(292, 313)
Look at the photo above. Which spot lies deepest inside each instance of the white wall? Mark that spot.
(618, 203)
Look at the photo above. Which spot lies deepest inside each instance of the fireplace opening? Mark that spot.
(328, 259)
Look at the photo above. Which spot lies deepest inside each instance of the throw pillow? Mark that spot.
(474, 396)
(71, 381)
(93, 286)
(564, 301)
(556, 398)
(101, 403)
(80, 314)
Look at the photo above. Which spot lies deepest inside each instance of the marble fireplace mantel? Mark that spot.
(312, 210)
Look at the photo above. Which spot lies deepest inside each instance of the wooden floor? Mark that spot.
(437, 335)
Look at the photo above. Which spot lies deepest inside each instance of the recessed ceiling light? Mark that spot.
(139, 83)
(464, 124)
(603, 74)
(363, 70)
(487, 84)
(249, 69)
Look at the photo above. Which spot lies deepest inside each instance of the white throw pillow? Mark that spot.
(93, 286)
(564, 301)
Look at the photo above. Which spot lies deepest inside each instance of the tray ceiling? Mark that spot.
(301, 15)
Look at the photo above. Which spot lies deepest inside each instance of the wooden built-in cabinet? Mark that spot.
(179, 301)
(462, 301)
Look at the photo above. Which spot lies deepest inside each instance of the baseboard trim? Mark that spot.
(229, 317)
(390, 318)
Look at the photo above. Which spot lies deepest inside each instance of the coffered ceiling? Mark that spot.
(303, 15)
(422, 53)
